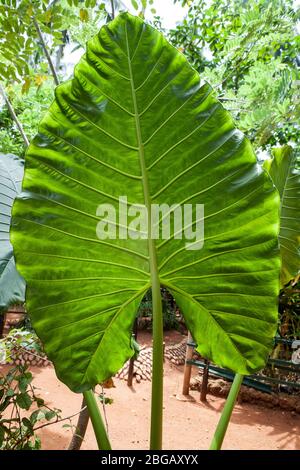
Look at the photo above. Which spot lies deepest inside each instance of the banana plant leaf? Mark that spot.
(12, 285)
(284, 169)
(137, 121)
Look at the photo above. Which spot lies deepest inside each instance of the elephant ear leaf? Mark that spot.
(136, 121)
(284, 169)
(12, 285)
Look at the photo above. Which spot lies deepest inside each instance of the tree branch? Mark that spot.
(58, 420)
(45, 49)
(14, 116)
(112, 9)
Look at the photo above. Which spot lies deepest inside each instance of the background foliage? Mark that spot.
(248, 50)
(22, 410)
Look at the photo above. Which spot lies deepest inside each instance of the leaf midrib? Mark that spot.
(144, 173)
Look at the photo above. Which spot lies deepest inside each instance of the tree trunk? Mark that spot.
(187, 367)
(81, 426)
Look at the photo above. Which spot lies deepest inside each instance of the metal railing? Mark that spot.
(262, 381)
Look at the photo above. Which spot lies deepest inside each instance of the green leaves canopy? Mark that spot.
(284, 169)
(137, 121)
(12, 286)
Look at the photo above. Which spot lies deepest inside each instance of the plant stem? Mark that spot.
(46, 52)
(97, 422)
(14, 116)
(157, 364)
(157, 356)
(220, 432)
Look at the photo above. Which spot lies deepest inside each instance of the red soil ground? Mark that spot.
(187, 425)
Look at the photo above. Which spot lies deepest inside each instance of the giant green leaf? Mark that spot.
(137, 121)
(284, 169)
(12, 285)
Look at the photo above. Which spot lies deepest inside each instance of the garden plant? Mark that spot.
(12, 285)
(137, 122)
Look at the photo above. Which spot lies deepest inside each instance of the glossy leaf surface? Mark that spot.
(12, 285)
(284, 169)
(137, 121)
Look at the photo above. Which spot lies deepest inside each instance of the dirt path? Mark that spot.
(187, 425)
